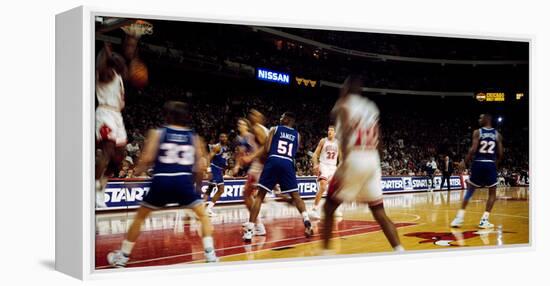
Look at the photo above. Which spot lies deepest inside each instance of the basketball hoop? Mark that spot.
(138, 28)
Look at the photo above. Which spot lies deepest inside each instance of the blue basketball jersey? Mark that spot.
(486, 151)
(220, 159)
(284, 143)
(176, 152)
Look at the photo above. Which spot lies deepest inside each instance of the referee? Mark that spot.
(446, 171)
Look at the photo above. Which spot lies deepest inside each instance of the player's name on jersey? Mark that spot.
(285, 135)
(488, 135)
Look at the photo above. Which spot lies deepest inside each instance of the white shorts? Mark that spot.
(110, 126)
(360, 178)
(255, 171)
(326, 171)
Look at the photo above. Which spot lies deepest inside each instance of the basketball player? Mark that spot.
(111, 138)
(111, 135)
(219, 154)
(325, 159)
(178, 157)
(280, 149)
(486, 150)
(358, 178)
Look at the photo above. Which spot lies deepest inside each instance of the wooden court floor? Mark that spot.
(172, 236)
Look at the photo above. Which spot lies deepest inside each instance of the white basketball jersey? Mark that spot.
(363, 117)
(111, 93)
(329, 152)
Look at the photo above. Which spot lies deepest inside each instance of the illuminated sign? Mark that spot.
(519, 95)
(306, 82)
(273, 76)
(490, 96)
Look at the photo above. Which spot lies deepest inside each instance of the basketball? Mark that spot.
(138, 73)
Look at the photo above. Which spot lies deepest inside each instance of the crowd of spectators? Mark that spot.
(409, 139)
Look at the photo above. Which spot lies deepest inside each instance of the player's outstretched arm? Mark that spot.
(473, 149)
(149, 152)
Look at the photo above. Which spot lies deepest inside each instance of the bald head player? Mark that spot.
(486, 151)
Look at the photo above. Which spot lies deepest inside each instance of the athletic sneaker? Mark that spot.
(309, 228)
(259, 230)
(248, 232)
(210, 211)
(457, 222)
(117, 258)
(314, 213)
(210, 255)
(484, 223)
(100, 200)
(99, 196)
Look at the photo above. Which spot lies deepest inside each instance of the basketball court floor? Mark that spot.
(172, 236)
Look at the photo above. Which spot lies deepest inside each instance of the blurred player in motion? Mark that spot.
(111, 137)
(219, 154)
(325, 161)
(486, 150)
(178, 157)
(358, 178)
(280, 149)
(249, 148)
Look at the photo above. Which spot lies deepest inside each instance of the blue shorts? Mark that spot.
(483, 174)
(172, 190)
(278, 171)
(217, 175)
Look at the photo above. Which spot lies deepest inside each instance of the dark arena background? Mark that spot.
(430, 92)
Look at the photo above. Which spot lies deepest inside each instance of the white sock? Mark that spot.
(210, 205)
(127, 247)
(460, 213)
(485, 215)
(208, 243)
(399, 248)
(249, 225)
(305, 216)
(259, 220)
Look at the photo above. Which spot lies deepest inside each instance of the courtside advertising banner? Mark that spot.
(120, 194)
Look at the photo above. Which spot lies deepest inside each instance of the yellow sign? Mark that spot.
(490, 96)
(519, 95)
(306, 82)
